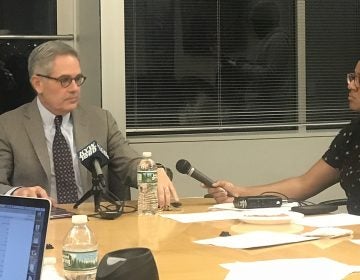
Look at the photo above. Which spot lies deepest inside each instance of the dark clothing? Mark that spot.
(344, 155)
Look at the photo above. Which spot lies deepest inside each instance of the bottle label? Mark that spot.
(80, 261)
(147, 177)
(147, 185)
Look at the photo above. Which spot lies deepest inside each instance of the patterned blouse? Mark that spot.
(344, 155)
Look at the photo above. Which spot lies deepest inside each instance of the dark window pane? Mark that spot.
(332, 48)
(209, 64)
(258, 62)
(15, 88)
(17, 17)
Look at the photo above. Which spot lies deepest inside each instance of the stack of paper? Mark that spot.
(255, 239)
(294, 269)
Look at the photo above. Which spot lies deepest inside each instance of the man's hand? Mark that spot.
(223, 191)
(35, 191)
(165, 190)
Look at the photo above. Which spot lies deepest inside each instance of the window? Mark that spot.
(332, 50)
(19, 17)
(21, 30)
(228, 65)
(15, 87)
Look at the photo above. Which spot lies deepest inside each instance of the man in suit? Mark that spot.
(27, 133)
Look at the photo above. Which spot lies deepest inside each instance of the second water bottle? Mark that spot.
(147, 185)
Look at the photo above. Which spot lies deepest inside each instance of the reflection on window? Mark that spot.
(210, 64)
(17, 18)
(229, 65)
(15, 88)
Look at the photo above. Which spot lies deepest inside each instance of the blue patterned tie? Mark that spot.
(64, 171)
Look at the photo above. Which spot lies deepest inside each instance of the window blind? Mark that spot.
(197, 66)
(332, 50)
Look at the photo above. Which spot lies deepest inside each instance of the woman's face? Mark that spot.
(354, 90)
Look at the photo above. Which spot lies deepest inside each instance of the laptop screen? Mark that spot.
(23, 225)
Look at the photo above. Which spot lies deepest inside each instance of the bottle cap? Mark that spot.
(79, 219)
(147, 154)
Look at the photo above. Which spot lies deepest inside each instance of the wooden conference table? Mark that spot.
(177, 257)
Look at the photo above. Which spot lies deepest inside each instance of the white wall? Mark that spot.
(81, 18)
(242, 160)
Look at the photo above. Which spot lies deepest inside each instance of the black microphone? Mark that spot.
(184, 167)
(93, 157)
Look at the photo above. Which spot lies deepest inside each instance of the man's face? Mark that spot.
(354, 90)
(57, 99)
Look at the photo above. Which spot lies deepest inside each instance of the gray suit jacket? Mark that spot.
(24, 159)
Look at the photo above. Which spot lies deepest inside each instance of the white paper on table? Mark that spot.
(331, 232)
(329, 220)
(255, 239)
(285, 269)
(356, 241)
(266, 213)
(204, 217)
(230, 206)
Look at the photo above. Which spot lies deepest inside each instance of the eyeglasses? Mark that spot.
(65, 80)
(353, 77)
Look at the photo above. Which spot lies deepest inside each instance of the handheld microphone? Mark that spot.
(184, 167)
(93, 157)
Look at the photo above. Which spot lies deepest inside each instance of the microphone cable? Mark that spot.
(113, 208)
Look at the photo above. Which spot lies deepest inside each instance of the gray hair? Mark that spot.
(42, 57)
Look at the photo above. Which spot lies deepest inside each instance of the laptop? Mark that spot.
(23, 225)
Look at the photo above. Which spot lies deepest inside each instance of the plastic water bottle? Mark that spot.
(147, 185)
(80, 251)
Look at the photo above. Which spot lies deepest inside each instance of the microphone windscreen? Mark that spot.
(183, 166)
(93, 151)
